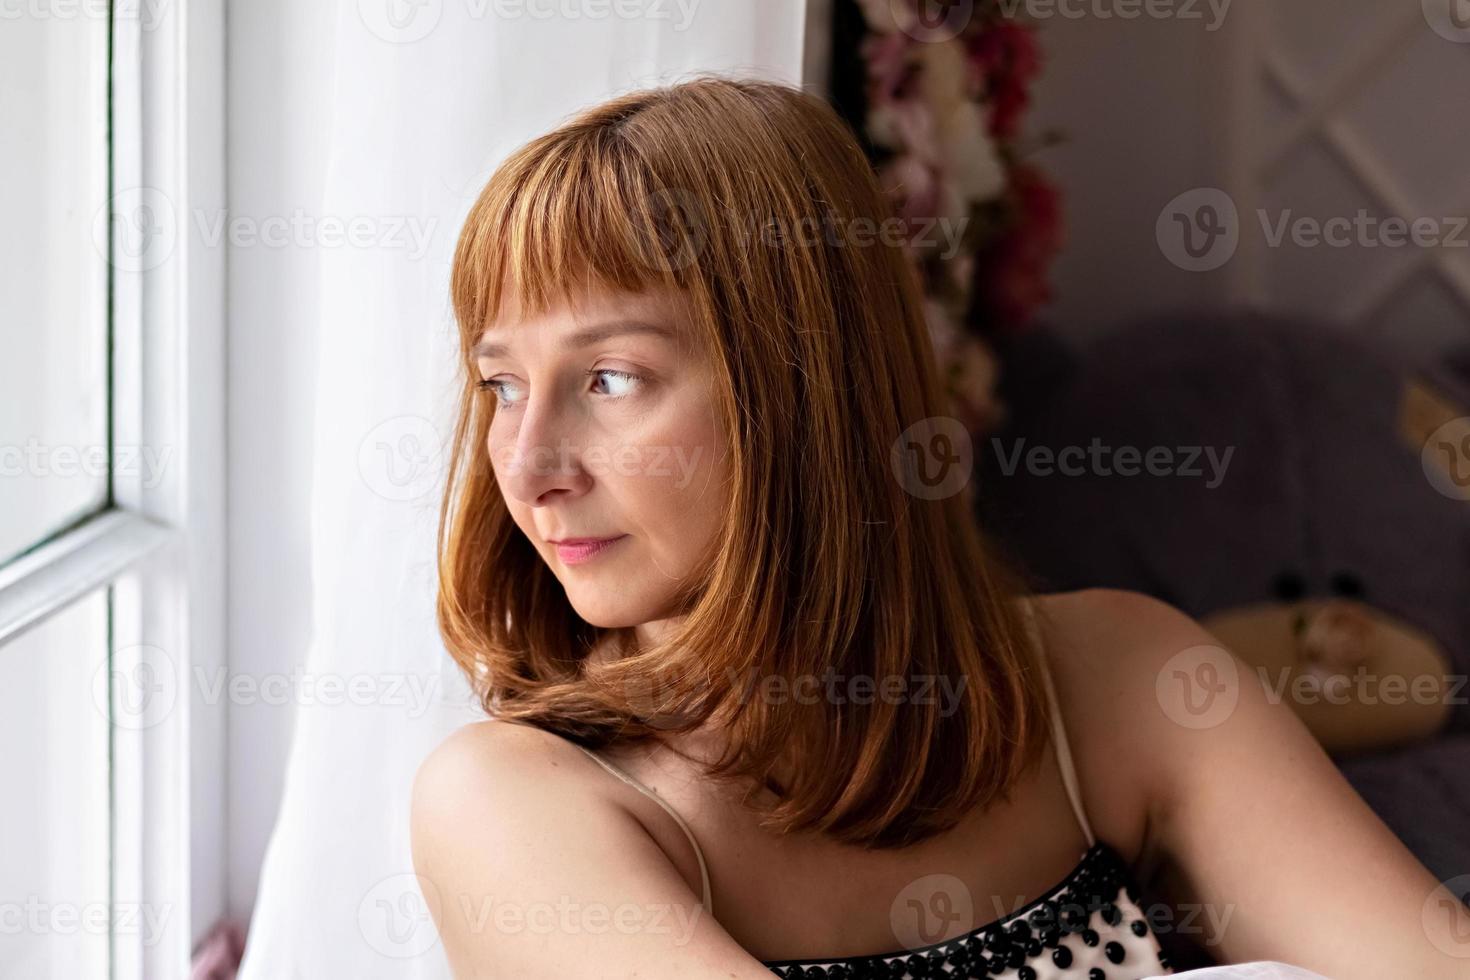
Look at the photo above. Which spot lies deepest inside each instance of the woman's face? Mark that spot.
(606, 448)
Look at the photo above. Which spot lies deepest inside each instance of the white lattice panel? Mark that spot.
(1346, 106)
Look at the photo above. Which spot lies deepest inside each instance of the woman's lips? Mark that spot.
(575, 551)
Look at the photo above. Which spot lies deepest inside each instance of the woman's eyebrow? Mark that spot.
(586, 337)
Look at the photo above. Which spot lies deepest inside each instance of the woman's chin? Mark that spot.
(606, 611)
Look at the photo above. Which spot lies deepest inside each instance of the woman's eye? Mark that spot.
(607, 382)
(620, 383)
(502, 390)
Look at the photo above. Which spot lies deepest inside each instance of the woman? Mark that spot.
(762, 700)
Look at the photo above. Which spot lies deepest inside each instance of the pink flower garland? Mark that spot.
(945, 105)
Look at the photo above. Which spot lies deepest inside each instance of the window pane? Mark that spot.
(55, 862)
(53, 270)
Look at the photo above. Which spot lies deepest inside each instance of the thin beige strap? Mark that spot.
(1059, 730)
(652, 794)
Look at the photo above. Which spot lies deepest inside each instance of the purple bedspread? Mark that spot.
(1422, 792)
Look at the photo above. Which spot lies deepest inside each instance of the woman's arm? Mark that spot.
(1270, 841)
(530, 872)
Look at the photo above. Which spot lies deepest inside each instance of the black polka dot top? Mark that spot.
(1088, 926)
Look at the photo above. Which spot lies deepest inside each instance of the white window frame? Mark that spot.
(161, 548)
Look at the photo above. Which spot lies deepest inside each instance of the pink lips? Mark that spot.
(574, 551)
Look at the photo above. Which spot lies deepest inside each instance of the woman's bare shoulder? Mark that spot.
(512, 838)
(1110, 652)
(1235, 789)
(1108, 647)
(498, 757)
(1109, 639)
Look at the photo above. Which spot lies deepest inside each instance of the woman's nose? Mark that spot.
(545, 456)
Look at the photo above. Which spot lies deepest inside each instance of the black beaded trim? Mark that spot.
(1033, 930)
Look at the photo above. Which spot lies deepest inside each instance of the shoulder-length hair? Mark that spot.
(755, 202)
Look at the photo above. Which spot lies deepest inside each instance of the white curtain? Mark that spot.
(427, 97)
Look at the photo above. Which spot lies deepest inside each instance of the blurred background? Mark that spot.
(1232, 235)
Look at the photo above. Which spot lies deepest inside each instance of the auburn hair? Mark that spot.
(827, 565)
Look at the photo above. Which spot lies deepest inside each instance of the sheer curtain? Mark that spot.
(427, 97)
